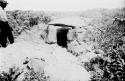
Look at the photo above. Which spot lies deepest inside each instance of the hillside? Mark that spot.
(95, 53)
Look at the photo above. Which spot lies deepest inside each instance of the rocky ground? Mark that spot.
(31, 59)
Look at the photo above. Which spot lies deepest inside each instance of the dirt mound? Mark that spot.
(55, 61)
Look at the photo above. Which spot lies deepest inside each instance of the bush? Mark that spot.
(31, 75)
(111, 66)
(25, 20)
(11, 75)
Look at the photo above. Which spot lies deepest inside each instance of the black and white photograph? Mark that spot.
(62, 40)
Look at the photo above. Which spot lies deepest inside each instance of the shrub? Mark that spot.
(111, 66)
(11, 75)
(31, 75)
(25, 20)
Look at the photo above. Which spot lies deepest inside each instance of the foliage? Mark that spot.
(31, 75)
(11, 75)
(111, 66)
(25, 20)
(107, 36)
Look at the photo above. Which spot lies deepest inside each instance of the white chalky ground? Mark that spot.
(60, 65)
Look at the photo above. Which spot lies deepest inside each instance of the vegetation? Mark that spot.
(111, 66)
(106, 36)
(25, 20)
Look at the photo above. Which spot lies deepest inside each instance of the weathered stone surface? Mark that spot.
(47, 59)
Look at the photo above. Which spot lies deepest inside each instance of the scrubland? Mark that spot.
(97, 53)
